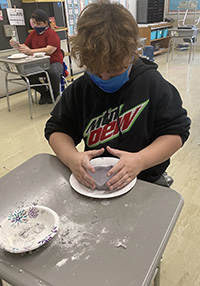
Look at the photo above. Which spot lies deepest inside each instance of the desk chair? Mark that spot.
(187, 32)
(29, 86)
(63, 81)
(165, 180)
(188, 35)
(187, 7)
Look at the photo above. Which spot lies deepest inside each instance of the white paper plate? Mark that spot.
(39, 55)
(17, 56)
(28, 228)
(101, 194)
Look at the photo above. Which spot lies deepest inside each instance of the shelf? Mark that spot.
(145, 31)
(156, 26)
(161, 27)
(160, 51)
(60, 29)
(156, 40)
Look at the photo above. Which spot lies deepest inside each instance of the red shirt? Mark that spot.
(49, 37)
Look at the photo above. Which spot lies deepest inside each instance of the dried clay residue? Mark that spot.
(71, 235)
(26, 234)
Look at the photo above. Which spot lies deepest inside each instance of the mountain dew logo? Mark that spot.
(105, 127)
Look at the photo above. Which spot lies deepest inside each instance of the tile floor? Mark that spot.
(21, 138)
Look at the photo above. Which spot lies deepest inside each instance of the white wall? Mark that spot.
(132, 7)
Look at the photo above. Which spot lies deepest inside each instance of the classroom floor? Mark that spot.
(21, 138)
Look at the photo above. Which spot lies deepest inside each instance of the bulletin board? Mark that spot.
(173, 6)
(74, 7)
(4, 41)
(21, 29)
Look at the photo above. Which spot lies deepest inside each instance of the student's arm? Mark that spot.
(131, 164)
(26, 50)
(78, 162)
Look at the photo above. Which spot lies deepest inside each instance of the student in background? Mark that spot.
(44, 39)
(122, 106)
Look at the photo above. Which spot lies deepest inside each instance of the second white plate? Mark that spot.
(17, 56)
(39, 55)
(28, 228)
(101, 194)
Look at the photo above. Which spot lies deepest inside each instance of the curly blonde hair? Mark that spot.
(107, 34)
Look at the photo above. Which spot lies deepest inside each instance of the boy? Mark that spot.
(121, 106)
(44, 39)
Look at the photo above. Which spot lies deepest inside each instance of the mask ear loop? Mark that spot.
(118, 123)
(121, 137)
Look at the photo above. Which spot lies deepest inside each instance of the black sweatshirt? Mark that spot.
(144, 108)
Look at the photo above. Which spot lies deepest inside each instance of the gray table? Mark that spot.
(26, 67)
(112, 242)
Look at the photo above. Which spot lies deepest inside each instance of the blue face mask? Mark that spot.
(113, 84)
(40, 30)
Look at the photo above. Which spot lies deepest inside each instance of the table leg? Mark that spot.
(50, 88)
(194, 46)
(157, 278)
(29, 96)
(35, 96)
(7, 93)
(169, 45)
(190, 51)
(173, 45)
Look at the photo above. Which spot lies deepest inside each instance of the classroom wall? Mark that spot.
(132, 7)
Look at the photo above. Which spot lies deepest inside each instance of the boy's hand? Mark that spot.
(24, 49)
(81, 165)
(126, 169)
(14, 44)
